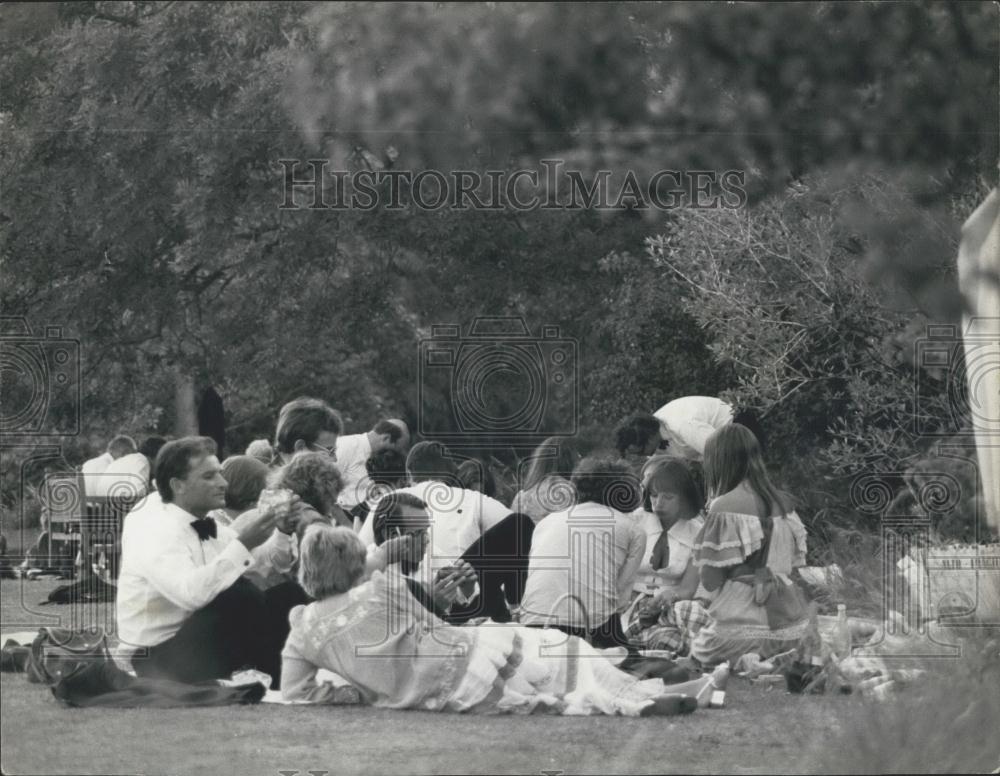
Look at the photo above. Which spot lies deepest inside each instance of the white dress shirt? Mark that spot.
(686, 423)
(167, 573)
(458, 518)
(123, 476)
(274, 560)
(353, 451)
(582, 567)
(97, 465)
(151, 502)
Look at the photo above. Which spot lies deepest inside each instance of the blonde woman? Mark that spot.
(373, 632)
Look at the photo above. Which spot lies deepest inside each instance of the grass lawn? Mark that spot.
(759, 731)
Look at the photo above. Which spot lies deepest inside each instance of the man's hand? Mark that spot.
(287, 515)
(450, 580)
(254, 527)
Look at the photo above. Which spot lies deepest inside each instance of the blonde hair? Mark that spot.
(331, 560)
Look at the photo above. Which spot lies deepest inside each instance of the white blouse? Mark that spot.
(680, 538)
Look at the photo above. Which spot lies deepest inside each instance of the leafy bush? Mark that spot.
(825, 356)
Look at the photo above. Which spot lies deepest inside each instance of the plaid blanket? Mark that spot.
(671, 630)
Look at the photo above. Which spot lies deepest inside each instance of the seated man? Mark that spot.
(127, 471)
(680, 427)
(686, 423)
(469, 525)
(584, 559)
(638, 437)
(182, 598)
(354, 450)
(305, 425)
(117, 447)
(402, 516)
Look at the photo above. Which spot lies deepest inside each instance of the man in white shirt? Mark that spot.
(466, 525)
(94, 469)
(125, 477)
(354, 450)
(584, 559)
(97, 464)
(679, 428)
(686, 423)
(181, 592)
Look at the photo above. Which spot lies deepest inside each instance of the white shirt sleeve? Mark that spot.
(491, 512)
(367, 532)
(633, 559)
(172, 572)
(278, 553)
(694, 434)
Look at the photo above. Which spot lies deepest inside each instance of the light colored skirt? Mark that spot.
(739, 625)
(514, 669)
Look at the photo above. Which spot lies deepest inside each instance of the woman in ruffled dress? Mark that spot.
(398, 654)
(750, 543)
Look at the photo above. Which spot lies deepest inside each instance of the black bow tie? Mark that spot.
(204, 527)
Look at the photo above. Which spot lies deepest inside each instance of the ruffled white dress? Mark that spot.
(732, 533)
(399, 655)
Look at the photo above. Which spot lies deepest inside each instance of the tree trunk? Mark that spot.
(186, 423)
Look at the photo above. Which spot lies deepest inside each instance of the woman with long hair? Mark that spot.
(751, 542)
(546, 487)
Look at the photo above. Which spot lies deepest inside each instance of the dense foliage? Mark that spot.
(142, 189)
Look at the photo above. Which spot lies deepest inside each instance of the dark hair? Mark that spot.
(151, 448)
(607, 481)
(473, 474)
(678, 478)
(174, 460)
(391, 429)
(121, 445)
(305, 418)
(747, 417)
(554, 456)
(387, 467)
(635, 431)
(388, 511)
(430, 461)
(245, 477)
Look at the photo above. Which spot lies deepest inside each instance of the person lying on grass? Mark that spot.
(398, 654)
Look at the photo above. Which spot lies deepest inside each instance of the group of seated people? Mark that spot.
(389, 567)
